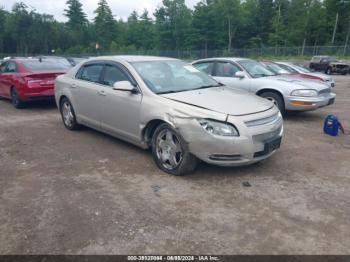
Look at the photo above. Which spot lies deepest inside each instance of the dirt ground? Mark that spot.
(84, 192)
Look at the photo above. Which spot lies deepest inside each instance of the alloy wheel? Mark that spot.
(67, 114)
(168, 149)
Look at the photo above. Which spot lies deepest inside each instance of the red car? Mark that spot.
(283, 70)
(28, 79)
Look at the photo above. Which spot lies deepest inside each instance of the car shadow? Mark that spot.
(34, 105)
(202, 171)
(311, 116)
(46, 104)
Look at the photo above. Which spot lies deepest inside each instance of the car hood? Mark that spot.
(297, 82)
(320, 75)
(224, 99)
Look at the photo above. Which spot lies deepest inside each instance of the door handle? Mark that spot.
(73, 86)
(102, 93)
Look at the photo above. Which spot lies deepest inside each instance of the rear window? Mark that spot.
(44, 65)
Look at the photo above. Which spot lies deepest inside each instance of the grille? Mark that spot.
(325, 91)
(341, 66)
(220, 157)
(267, 136)
(264, 121)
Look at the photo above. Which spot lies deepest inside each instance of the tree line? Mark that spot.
(210, 25)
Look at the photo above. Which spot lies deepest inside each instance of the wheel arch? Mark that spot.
(11, 88)
(263, 90)
(150, 128)
(60, 100)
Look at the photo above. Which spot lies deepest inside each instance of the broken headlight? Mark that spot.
(218, 128)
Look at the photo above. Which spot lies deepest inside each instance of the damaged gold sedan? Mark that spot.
(167, 105)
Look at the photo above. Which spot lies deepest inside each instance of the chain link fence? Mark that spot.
(297, 51)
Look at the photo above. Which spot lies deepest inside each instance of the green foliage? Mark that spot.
(211, 25)
(74, 13)
(104, 25)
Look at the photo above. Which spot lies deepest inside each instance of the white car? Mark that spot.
(288, 93)
(300, 69)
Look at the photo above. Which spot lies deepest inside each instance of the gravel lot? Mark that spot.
(87, 193)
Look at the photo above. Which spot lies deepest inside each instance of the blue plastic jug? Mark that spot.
(331, 125)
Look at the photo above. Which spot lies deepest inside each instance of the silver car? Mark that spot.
(287, 92)
(172, 108)
(299, 68)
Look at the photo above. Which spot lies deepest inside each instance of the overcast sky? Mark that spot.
(120, 8)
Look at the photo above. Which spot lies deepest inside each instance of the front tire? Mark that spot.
(276, 99)
(329, 71)
(68, 115)
(170, 151)
(16, 100)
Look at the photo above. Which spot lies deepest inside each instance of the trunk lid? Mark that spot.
(42, 78)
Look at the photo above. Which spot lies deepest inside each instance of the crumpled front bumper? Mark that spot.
(246, 149)
(340, 70)
(295, 103)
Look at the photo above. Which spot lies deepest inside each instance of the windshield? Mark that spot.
(255, 69)
(45, 65)
(172, 76)
(301, 68)
(276, 68)
(332, 59)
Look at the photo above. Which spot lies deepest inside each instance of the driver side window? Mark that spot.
(226, 69)
(90, 73)
(113, 74)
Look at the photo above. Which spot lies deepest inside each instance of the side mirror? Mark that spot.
(124, 86)
(240, 74)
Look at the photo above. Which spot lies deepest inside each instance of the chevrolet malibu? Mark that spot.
(170, 107)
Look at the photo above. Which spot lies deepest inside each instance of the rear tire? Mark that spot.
(276, 99)
(170, 151)
(68, 115)
(16, 100)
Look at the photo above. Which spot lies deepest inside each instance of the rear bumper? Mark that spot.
(294, 103)
(30, 94)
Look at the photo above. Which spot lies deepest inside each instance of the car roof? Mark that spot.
(285, 62)
(233, 59)
(131, 59)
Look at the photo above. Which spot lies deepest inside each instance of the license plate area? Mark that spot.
(272, 145)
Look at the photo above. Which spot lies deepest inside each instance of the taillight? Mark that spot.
(32, 82)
